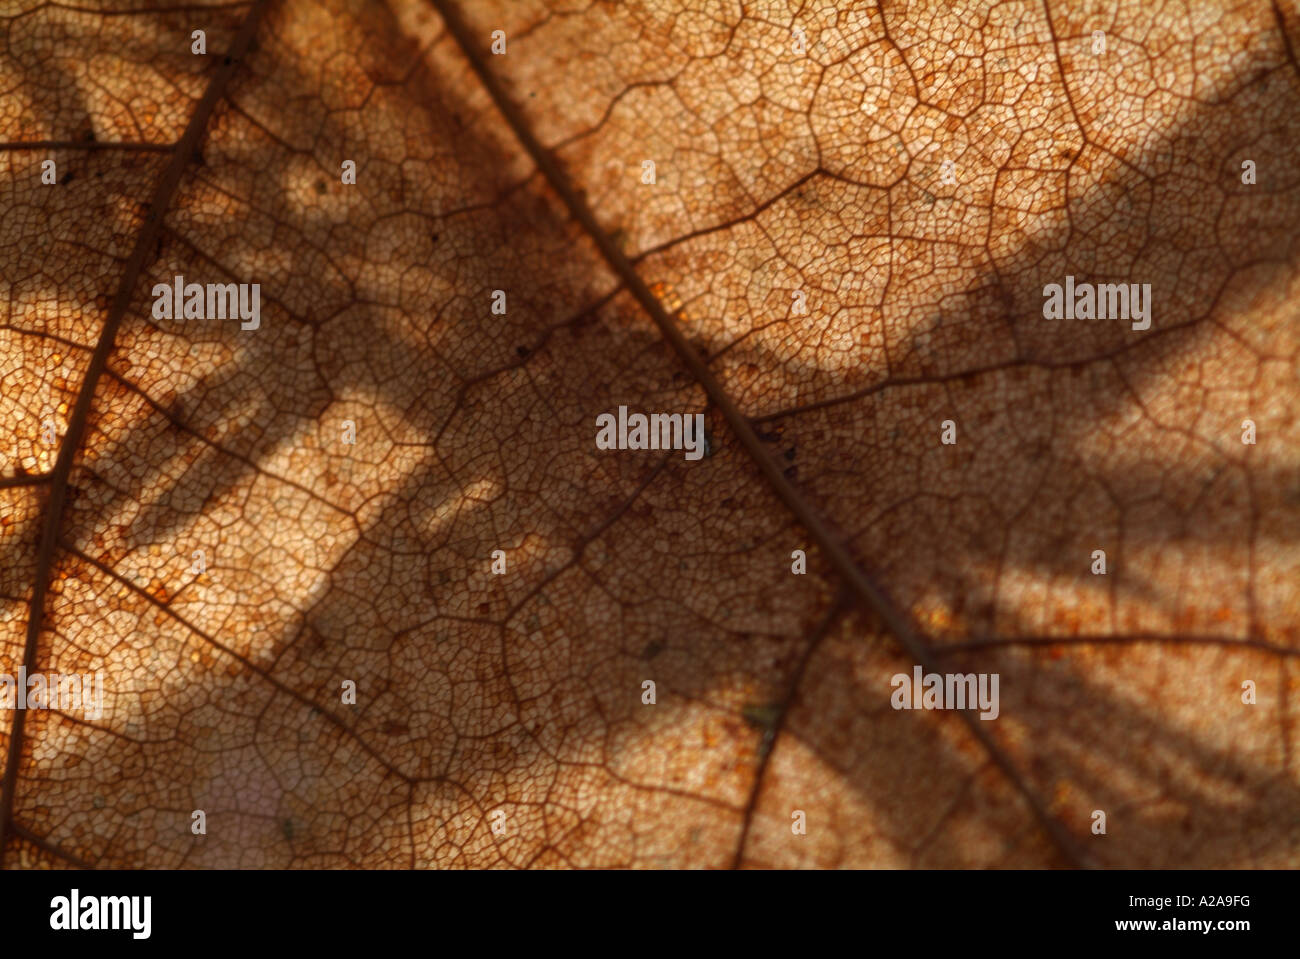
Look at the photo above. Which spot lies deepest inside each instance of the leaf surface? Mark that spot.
(499, 718)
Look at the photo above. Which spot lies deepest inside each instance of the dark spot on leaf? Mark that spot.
(763, 716)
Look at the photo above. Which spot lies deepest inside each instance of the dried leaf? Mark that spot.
(854, 214)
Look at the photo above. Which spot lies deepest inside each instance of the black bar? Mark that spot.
(646, 910)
